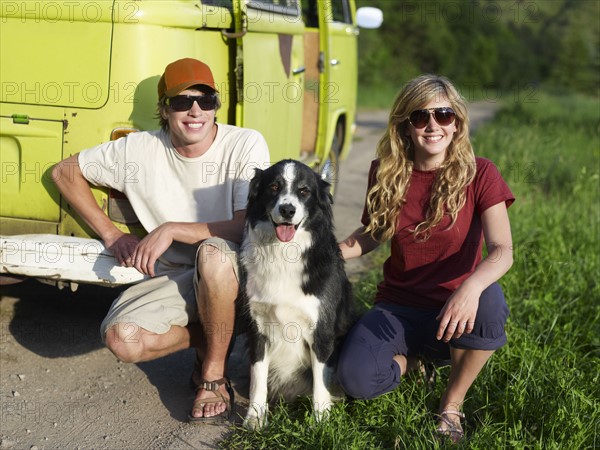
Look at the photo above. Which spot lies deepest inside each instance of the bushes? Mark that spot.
(500, 44)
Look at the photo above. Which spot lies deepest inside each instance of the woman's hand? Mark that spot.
(458, 314)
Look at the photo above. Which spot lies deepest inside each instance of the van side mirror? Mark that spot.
(369, 17)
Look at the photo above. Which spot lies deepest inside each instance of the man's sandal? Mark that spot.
(452, 431)
(213, 386)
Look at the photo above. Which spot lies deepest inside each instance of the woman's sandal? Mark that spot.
(452, 431)
(213, 386)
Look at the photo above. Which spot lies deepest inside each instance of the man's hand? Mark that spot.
(123, 248)
(151, 247)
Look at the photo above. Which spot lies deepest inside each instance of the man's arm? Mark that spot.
(76, 191)
(159, 240)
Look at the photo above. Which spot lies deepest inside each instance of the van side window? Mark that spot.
(310, 13)
(341, 11)
(220, 3)
(289, 7)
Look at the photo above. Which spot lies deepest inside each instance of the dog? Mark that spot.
(298, 298)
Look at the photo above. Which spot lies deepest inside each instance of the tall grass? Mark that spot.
(542, 390)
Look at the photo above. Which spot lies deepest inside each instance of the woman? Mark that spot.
(439, 299)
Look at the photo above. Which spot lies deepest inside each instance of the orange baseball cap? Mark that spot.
(182, 74)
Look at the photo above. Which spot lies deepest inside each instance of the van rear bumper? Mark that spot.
(63, 259)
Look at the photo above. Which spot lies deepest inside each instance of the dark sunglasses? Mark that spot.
(206, 102)
(443, 116)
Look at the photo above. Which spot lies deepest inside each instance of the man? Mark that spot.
(188, 184)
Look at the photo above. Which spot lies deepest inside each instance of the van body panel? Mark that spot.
(176, 14)
(29, 150)
(338, 80)
(56, 65)
(272, 91)
(10, 226)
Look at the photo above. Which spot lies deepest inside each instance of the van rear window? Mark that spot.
(219, 3)
(287, 7)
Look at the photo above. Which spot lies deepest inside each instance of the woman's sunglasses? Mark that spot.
(443, 116)
(206, 102)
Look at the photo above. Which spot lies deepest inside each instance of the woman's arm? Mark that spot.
(358, 244)
(462, 306)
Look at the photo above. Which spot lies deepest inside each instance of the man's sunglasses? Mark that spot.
(443, 116)
(206, 102)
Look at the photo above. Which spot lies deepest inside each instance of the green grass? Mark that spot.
(542, 390)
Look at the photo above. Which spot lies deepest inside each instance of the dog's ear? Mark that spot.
(254, 184)
(324, 196)
(326, 189)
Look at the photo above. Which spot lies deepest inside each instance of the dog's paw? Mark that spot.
(254, 422)
(256, 418)
(321, 410)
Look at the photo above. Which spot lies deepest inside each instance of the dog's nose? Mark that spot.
(287, 211)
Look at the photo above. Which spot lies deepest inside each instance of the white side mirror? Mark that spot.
(369, 17)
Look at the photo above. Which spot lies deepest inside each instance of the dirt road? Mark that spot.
(60, 388)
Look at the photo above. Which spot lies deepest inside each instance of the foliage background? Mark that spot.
(492, 48)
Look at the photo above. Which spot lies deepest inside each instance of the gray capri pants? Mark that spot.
(365, 366)
(167, 299)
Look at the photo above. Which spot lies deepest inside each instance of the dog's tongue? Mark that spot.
(285, 233)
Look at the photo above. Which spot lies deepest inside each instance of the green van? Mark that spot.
(77, 73)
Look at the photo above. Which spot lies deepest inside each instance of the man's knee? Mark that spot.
(215, 265)
(124, 340)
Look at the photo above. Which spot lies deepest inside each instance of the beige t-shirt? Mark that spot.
(163, 186)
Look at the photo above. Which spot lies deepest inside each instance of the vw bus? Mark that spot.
(77, 73)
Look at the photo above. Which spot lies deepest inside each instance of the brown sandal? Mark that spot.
(213, 386)
(452, 431)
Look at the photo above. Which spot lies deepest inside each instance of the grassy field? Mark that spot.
(542, 390)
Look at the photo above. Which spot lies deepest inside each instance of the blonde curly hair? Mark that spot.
(395, 152)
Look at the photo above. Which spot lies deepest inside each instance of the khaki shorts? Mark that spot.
(167, 299)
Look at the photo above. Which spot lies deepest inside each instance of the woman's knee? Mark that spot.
(359, 378)
(492, 314)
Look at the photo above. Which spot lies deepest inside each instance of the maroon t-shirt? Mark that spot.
(425, 274)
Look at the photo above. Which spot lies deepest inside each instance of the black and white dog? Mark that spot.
(299, 300)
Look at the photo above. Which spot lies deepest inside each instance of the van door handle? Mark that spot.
(299, 70)
(335, 62)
